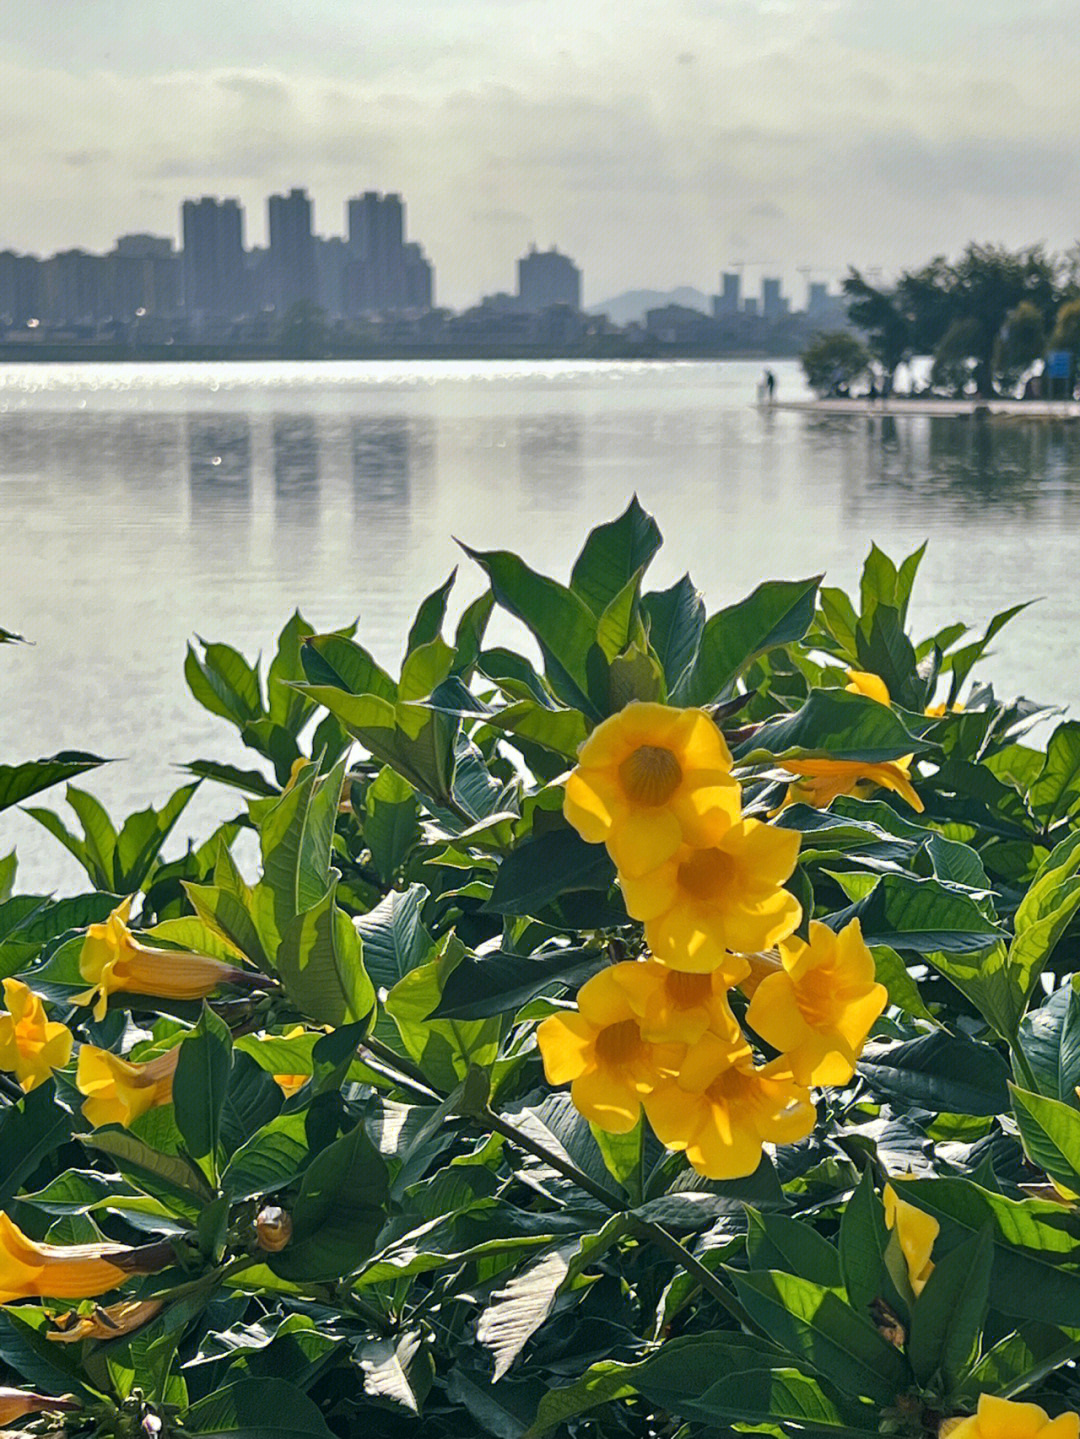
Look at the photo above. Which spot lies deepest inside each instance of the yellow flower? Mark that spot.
(720, 1108)
(108, 1323)
(820, 1006)
(916, 1232)
(1006, 1419)
(674, 1007)
(31, 1046)
(823, 779)
(939, 711)
(873, 686)
(704, 902)
(68, 1271)
(114, 961)
(599, 1051)
(14, 1403)
(119, 1090)
(649, 779)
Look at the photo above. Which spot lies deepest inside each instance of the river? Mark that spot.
(142, 505)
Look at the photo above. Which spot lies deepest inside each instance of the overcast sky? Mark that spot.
(657, 141)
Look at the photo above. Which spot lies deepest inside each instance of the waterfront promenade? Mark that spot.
(903, 405)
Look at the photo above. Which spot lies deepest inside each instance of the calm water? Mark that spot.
(143, 505)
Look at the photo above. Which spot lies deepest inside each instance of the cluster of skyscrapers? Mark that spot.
(214, 279)
(773, 304)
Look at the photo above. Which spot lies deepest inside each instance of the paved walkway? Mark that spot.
(899, 405)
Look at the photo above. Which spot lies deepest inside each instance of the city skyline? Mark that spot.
(777, 132)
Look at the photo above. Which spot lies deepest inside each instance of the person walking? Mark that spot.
(770, 385)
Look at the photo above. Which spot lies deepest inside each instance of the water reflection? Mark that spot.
(391, 455)
(296, 470)
(549, 452)
(219, 462)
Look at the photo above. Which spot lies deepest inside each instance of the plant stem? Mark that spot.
(694, 1267)
(402, 1071)
(566, 1167)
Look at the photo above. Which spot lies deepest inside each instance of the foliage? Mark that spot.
(352, 1201)
(834, 359)
(988, 307)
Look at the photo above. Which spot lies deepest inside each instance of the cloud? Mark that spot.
(796, 133)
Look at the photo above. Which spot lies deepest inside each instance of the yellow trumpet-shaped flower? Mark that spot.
(823, 779)
(109, 1322)
(675, 1007)
(820, 1006)
(702, 903)
(15, 1403)
(31, 1046)
(873, 686)
(1006, 1419)
(916, 1232)
(598, 1050)
(119, 1090)
(943, 708)
(649, 779)
(114, 961)
(68, 1271)
(721, 1109)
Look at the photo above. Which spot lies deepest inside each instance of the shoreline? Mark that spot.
(975, 409)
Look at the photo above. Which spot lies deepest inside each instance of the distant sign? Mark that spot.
(1059, 364)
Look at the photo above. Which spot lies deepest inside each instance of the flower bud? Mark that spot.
(273, 1229)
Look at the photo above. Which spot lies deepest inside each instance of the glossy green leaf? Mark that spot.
(938, 1071)
(199, 1086)
(949, 1314)
(612, 555)
(776, 613)
(1050, 1131)
(833, 724)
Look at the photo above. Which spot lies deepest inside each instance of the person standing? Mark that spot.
(770, 385)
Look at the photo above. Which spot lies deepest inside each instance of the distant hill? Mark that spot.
(630, 306)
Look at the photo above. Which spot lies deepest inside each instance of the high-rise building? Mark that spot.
(331, 262)
(727, 302)
(213, 258)
(292, 249)
(547, 278)
(142, 278)
(773, 304)
(74, 289)
(419, 279)
(21, 295)
(377, 253)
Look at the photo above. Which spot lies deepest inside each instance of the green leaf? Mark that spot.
(539, 870)
(427, 625)
(1050, 1039)
(1032, 1238)
(199, 1086)
(564, 626)
(20, 781)
(1021, 1359)
(30, 1130)
(445, 1049)
(883, 649)
(833, 724)
(278, 1153)
(879, 580)
(1041, 919)
(256, 1409)
(516, 1312)
(393, 935)
(919, 914)
(1050, 1132)
(864, 1238)
(295, 836)
(1055, 794)
(815, 1324)
(321, 965)
(949, 1314)
(338, 1212)
(223, 682)
(501, 982)
(784, 1395)
(776, 613)
(391, 821)
(169, 1177)
(613, 554)
(414, 739)
(939, 1071)
(891, 971)
(775, 1241)
(676, 621)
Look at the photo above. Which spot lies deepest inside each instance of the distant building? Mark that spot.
(680, 325)
(331, 265)
(21, 293)
(385, 274)
(292, 249)
(142, 278)
(773, 304)
(547, 278)
(213, 259)
(750, 307)
(74, 291)
(727, 302)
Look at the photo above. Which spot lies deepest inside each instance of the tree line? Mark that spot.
(986, 318)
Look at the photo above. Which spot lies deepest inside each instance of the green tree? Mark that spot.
(956, 357)
(987, 282)
(834, 358)
(1022, 341)
(879, 315)
(1066, 334)
(304, 333)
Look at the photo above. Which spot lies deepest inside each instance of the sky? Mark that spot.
(658, 142)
